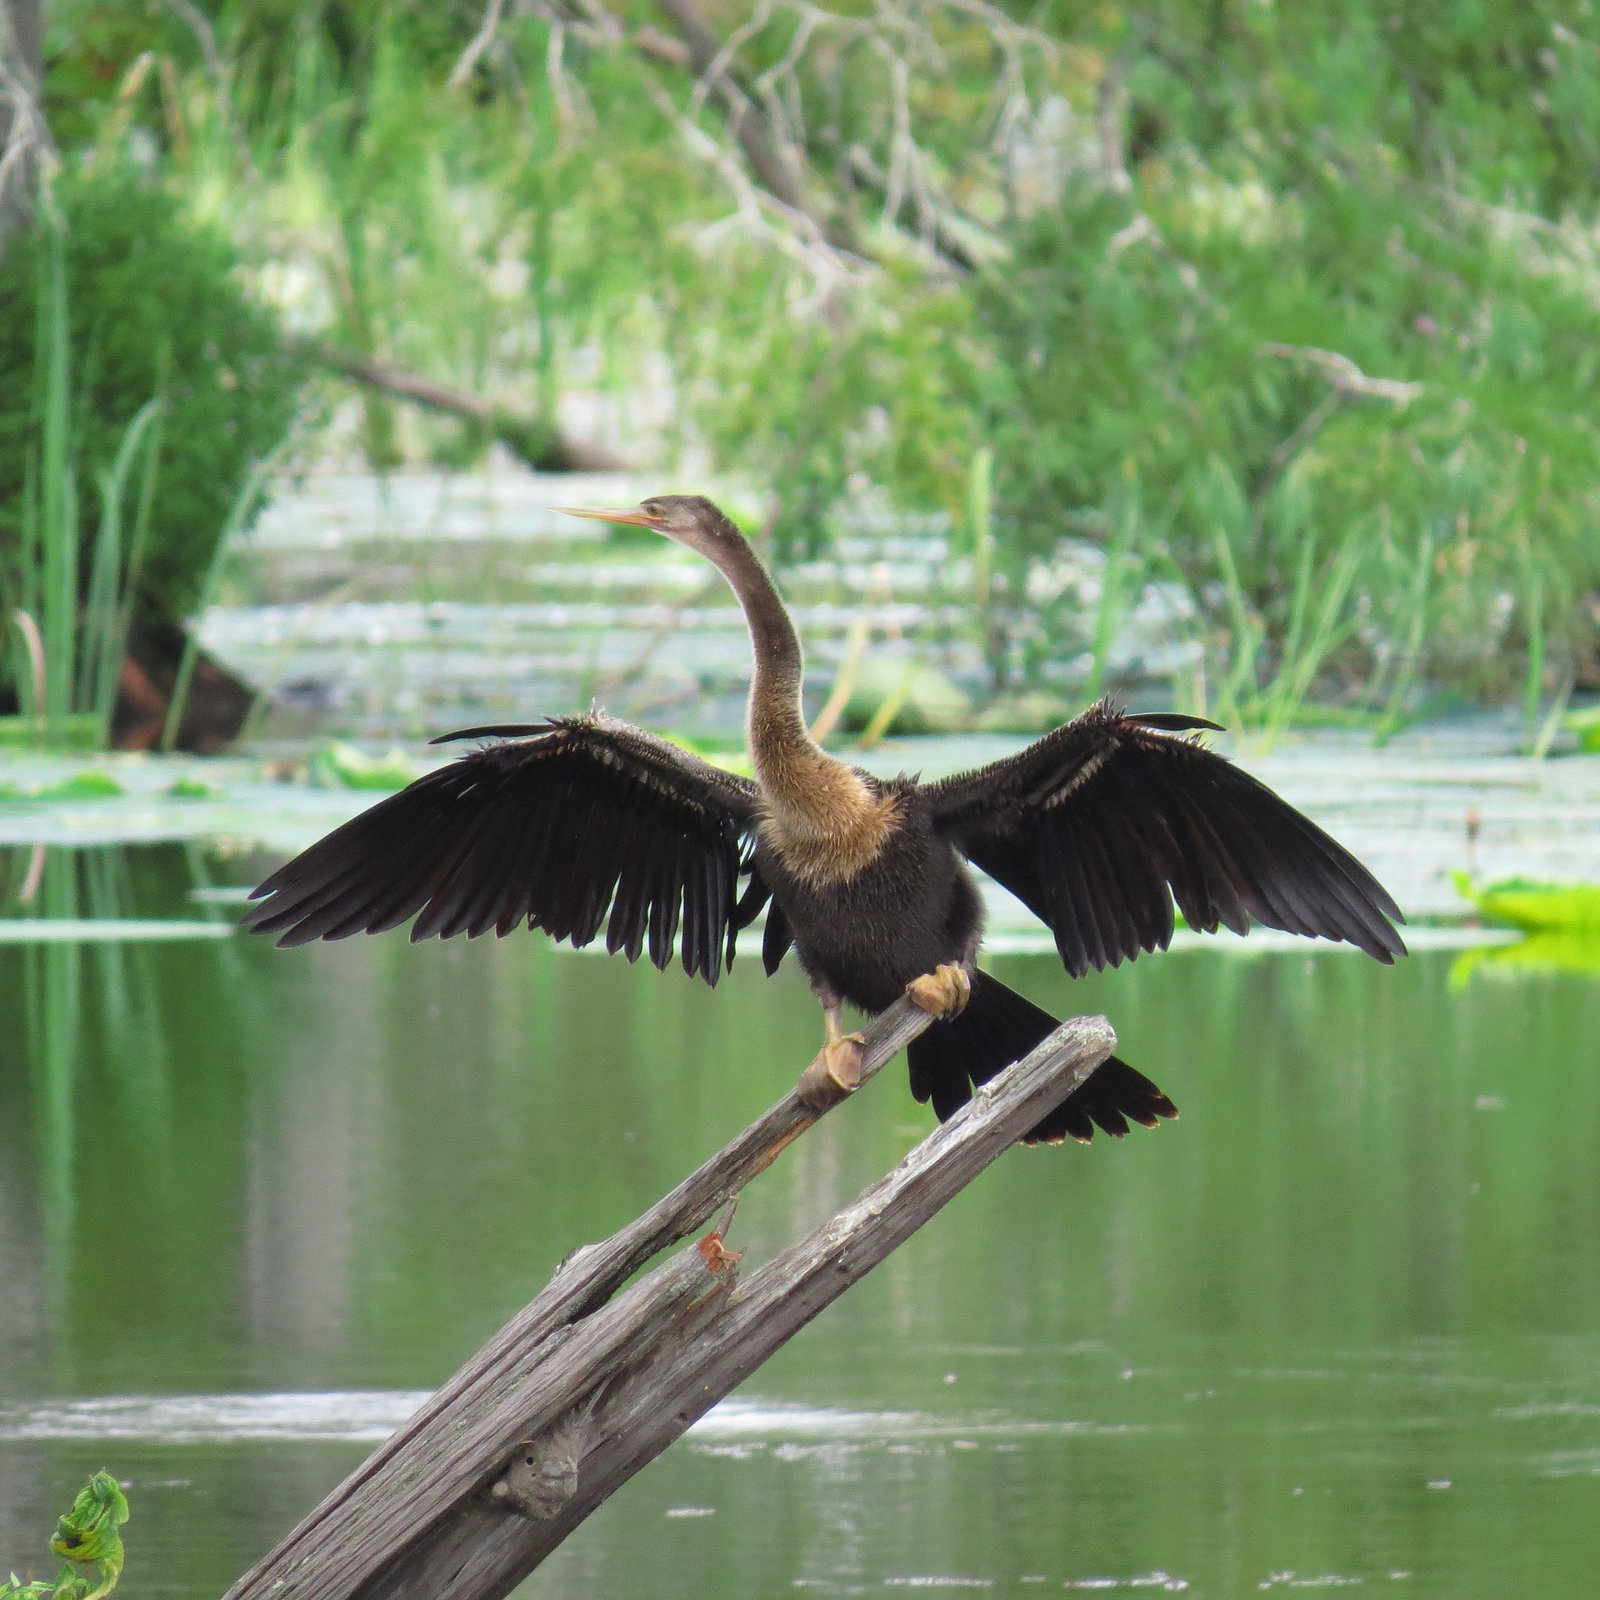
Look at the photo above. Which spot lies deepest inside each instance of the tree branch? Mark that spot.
(1345, 375)
(481, 41)
(540, 444)
(1344, 378)
(24, 134)
(776, 160)
(746, 121)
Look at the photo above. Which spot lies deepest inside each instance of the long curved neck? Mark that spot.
(776, 712)
(810, 793)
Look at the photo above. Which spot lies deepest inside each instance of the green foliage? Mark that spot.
(1183, 325)
(88, 1538)
(154, 307)
(187, 788)
(1292, 307)
(79, 732)
(1521, 903)
(85, 785)
(890, 696)
(1586, 724)
(337, 765)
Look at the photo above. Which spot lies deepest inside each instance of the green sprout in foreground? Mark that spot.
(88, 1540)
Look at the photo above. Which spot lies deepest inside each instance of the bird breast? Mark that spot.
(823, 821)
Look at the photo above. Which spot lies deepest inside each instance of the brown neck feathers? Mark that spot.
(824, 818)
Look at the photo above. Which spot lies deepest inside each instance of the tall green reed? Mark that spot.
(1127, 556)
(107, 610)
(57, 552)
(1265, 676)
(68, 640)
(1317, 627)
(244, 504)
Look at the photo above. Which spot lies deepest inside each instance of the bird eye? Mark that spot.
(653, 508)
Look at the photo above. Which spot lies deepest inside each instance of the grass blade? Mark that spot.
(244, 504)
(100, 650)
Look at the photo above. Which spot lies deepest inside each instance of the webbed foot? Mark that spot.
(835, 1073)
(942, 993)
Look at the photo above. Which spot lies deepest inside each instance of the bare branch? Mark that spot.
(1111, 107)
(1344, 378)
(480, 42)
(662, 47)
(716, 70)
(1345, 375)
(802, 240)
(778, 171)
(540, 444)
(951, 232)
(25, 144)
(603, 27)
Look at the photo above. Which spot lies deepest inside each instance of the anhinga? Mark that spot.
(1097, 827)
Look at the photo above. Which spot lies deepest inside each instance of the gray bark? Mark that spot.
(581, 1390)
(24, 136)
(775, 165)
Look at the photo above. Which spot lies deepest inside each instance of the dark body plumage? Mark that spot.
(582, 824)
(911, 907)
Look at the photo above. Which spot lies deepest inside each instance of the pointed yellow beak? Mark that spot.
(632, 514)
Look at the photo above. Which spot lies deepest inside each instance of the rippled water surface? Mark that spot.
(1339, 1326)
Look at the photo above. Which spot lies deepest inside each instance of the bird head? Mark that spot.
(691, 519)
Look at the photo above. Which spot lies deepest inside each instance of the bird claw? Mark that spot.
(835, 1073)
(942, 993)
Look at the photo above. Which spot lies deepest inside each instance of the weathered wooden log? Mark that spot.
(581, 1390)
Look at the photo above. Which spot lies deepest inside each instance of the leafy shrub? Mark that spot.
(154, 304)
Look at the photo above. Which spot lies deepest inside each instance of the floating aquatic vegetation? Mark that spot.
(900, 695)
(1561, 920)
(341, 766)
(1527, 903)
(87, 785)
(1586, 724)
(718, 755)
(187, 788)
(1549, 951)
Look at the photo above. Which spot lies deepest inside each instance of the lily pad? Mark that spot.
(1522, 903)
(341, 766)
(1586, 724)
(86, 785)
(193, 789)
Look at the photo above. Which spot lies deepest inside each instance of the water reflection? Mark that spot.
(1543, 950)
(1336, 1324)
(89, 1054)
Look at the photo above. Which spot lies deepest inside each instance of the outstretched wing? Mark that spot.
(589, 816)
(1101, 825)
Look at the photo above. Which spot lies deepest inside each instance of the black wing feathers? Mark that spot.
(1100, 826)
(1000, 1026)
(590, 817)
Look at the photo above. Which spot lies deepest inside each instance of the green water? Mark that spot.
(1340, 1324)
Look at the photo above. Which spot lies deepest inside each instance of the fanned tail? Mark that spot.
(998, 1027)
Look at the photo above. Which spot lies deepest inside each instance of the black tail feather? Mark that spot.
(998, 1027)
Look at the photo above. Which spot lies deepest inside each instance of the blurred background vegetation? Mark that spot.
(1289, 307)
